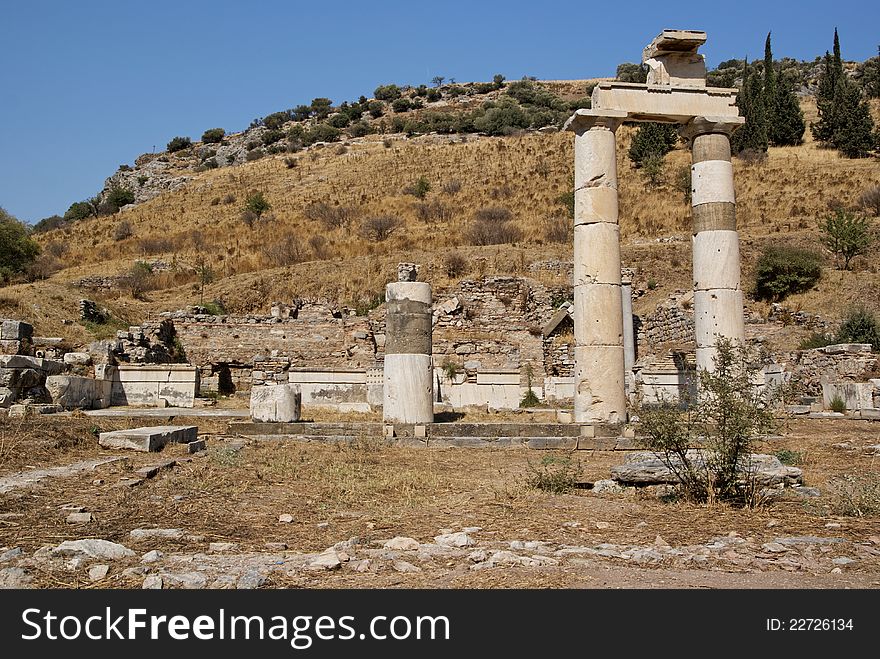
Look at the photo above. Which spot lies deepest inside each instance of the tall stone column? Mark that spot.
(408, 391)
(598, 315)
(718, 296)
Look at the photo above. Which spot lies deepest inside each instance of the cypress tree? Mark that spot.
(844, 118)
(832, 74)
(853, 127)
(750, 100)
(788, 126)
(652, 140)
(769, 84)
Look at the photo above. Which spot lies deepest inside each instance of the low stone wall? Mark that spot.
(339, 389)
(499, 390)
(810, 369)
(172, 385)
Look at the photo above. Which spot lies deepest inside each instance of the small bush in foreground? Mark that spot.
(728, 414)
(555, 474)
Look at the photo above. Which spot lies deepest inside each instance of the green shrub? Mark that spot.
(120, 197)
(505, 118)
(817, 340)
(321, 133)
(257, 203)
(838, 404)
(376, 109)
(419, 188)
(359, 129)
(554, 474)
(276, 120)
(80, 210)
(339, 120)
(629, 72)
(272, 136)
(178, 144)
(321, 107)
(213, 136)
(860, 326)
(790, 458)
(783, 270)
(846, 234)
(17, 249)
(387, 92)
(49, 223)
(401, 105)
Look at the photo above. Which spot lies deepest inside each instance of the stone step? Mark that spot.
(536, 443)
(151, 438)
(486, 431)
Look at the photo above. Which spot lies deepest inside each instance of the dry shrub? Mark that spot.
(318, 245)
(855, 495)
(428, 211)
(155, 245)
(870, 201)
(43, 267)
(55, 248)
(123, 231)
(493, 226)
(455, 264)
(558, 230)
(379, 228)
(451, 188)
(332, 217)
(284, 251)
(752, 156)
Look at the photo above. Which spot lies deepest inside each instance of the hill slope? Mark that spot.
(312, 243)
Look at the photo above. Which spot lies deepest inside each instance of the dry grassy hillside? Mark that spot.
(288, 253)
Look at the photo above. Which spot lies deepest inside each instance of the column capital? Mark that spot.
(584, 120)
(709, 125)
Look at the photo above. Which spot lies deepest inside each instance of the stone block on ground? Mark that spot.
(278, 403)
(645, 468)
(149, 438)
(77, 358)
(15, 330)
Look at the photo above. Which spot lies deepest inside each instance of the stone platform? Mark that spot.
(470, 435)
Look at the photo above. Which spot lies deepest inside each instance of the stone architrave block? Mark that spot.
(280, 403)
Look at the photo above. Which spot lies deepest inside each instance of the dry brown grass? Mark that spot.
(374, 490)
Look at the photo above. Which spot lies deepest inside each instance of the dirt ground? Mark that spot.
(349, 500)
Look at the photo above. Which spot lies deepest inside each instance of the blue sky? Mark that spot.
(88, 85)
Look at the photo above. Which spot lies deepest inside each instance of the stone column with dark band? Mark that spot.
(718, 296)
(408, 395)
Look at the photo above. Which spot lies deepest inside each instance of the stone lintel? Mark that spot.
(674, 41)
(710, 125)
(583, 120)
(664, 103)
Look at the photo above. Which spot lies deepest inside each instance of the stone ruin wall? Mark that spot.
(492, 324)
